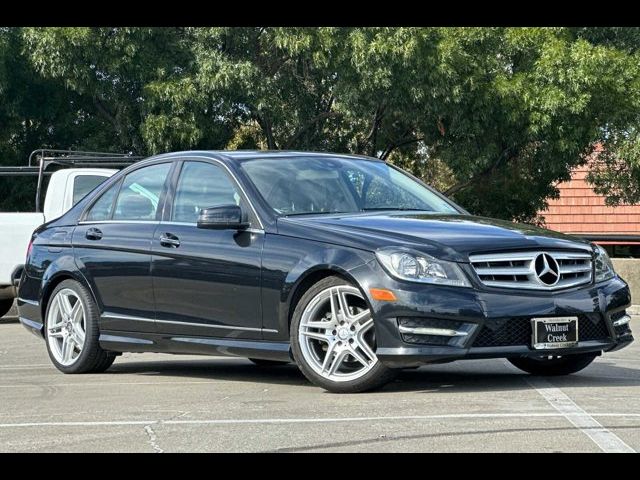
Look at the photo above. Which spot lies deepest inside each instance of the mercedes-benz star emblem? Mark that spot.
(547, 269)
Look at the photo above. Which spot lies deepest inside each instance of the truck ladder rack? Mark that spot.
(40, 160)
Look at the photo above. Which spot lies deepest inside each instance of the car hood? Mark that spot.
(451, 237)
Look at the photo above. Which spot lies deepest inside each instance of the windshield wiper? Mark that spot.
(311, 213)
(373, 209)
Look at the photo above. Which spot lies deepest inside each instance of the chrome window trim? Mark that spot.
(107, 185)
(147, 222)
(116, 316)
(172, 160)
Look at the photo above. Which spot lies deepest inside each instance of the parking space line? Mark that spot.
(256, 421)
(108, 384)
(605, 439)
(33, 365)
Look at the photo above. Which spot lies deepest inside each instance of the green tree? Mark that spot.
(492, 116)
(35, 112)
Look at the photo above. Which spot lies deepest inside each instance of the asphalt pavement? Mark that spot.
(166, 403)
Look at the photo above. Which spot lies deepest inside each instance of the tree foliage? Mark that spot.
(492, 116)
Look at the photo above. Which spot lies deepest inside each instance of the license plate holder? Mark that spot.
(554, 332)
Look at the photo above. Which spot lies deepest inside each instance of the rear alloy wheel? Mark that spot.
(66, 327)
(71, 331)
(5, 306)
(554, 366)
(333, 339)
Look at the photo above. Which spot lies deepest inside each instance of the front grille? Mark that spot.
(522, 269)
(506, 332)
(592, 327)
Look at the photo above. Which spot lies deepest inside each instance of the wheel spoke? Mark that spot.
(56, 327)
(366, 349)
(354, 353)
(342, 300)
(361, 318)
(76, 313)
(328, 358)
(67, 349)
(337, 361)
(324, 325)
(78, 337)
(56, 312)
(56, 334)
(316, 336)
(334, 305)
(364, 327)
(65, 304)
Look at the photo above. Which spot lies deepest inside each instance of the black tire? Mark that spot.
(5, 306)
(379, 374)
(268, 363)
(92, 359)
(565, 365)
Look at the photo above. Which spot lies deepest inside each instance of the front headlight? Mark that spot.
(420, 267)
(604, 267)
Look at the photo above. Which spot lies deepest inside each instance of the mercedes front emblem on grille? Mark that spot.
(547, 269)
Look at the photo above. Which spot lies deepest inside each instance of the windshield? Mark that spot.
(298, 186)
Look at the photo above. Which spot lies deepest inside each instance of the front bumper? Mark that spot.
(496, 323)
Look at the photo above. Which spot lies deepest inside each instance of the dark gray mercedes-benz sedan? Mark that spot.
(345, 265)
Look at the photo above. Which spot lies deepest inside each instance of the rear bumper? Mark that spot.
(476, 315)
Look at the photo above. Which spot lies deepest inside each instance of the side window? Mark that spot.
(201, 185)
(140, 193)
(83, 184)
(101, 210)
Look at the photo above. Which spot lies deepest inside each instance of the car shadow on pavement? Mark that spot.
(449, 378)
(227, 369)
(428, 379)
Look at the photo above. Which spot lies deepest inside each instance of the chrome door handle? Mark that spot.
(170, 241)
(93, 234)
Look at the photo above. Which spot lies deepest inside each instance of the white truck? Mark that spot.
(65, 188)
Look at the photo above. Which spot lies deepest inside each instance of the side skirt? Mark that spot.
(178, 344)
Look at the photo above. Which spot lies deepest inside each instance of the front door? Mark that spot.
(206, 282)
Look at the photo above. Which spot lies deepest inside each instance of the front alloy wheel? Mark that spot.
(334, 342)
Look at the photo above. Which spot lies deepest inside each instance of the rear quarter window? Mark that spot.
(83, 184)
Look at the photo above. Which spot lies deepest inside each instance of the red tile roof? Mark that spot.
(580, 210)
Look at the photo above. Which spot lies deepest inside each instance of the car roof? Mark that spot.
(241, 155)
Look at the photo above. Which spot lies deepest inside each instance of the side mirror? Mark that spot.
(222, 217)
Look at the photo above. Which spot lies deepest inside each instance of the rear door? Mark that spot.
(112, 246)
(206, 282)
